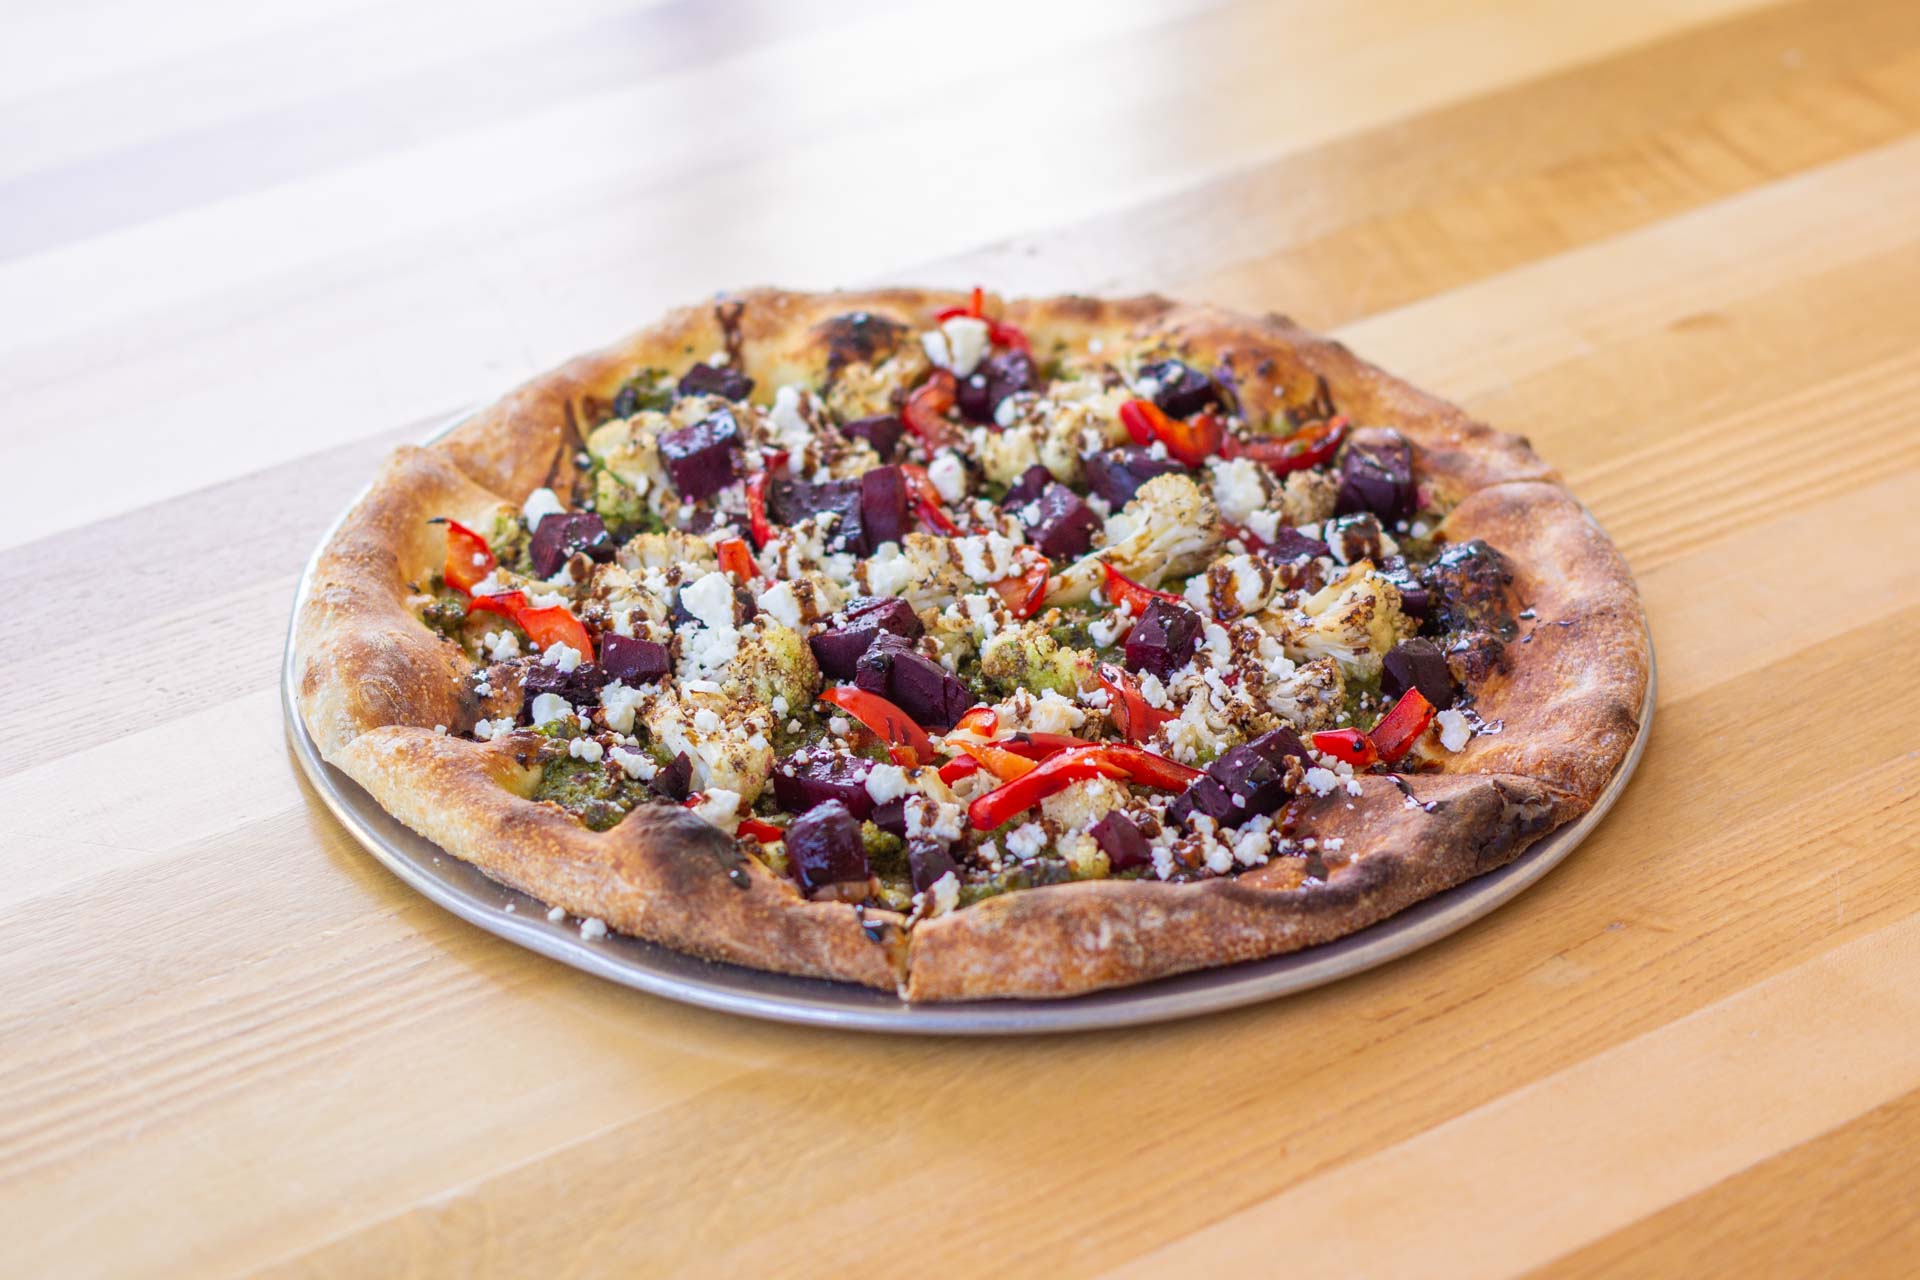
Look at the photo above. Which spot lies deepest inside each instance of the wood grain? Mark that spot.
(246, 249)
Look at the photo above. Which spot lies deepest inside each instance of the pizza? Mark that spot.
(970, 648)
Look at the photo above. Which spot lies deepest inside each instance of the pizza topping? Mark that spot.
(1311, 446)
(1417, 664)
(1191, 442)
(634, 661)
(1163, 639)
(469, 559)
(1402, 726)
(906, 741)
(1377, 475)
(1178, 388)
(1253, 778)
(716, 380)
(699, 458)
(1059, 522)
(559, 535)
(1119, 838)
(893, 669)
(882, 431)
(1115, 475)
(818, 774)
(1455, 731)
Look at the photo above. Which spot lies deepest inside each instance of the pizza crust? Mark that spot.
(373, 681)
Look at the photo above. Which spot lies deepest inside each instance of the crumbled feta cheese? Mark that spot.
(618, 703)
(593, 928)
(706, 720)
(790, 428)
(492, 730)
(958, 344)
(1052, 713)
(548, 600)
(638, 764)
(710, 600)
(779, 704)
(561, 656)
(949, 476)
(548, 707)
(944, 894)
(1454, 729)
(935, 818)
(1321, 781)
(1239, 488)
(781, 604)
(585, 749)
(540, 504)
(501, 645)
(556, 914)
(1264, 525)
(1027, 840)
(720, 807)
(986, 557)
(887, 782)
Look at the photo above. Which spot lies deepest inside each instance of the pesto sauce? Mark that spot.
(596, 794)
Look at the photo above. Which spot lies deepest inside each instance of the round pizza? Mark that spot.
(973, 648)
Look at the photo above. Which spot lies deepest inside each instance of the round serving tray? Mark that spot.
(469, 894)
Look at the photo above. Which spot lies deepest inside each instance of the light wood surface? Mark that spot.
(244, 249)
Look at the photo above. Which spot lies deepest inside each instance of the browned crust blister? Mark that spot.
(373, 681)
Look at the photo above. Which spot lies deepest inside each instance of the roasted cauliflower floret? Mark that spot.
(1171, 528)
(924, 573)
(1081, 804)
(1026, 657)
(1005, 456)
(631, 483)
(1307, 497)
(862, 390)
(727, 739)
(1085, 419)
(664, 550)
(774, 667)
(1354, 620)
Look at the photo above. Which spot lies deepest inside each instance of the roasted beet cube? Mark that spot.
(882, 431)
(889, 613)
(1377, 475)
(817, 775)
(884, 510)
(632, 661)
(580, 686)
(1414, 597)
(891, 815)
(1121, 840)
(1032, 483)
(699, 457)
(562, 533)
(1417, 664)
(1290, 544)
(790, 501)
(824, 846)
(716, 380)
(1061, 525)
(998, 377)
(927, 861)
(1162, 640)
(1180, 389)
(1253, 778)
(838, 649)
(926, 691)
(1117, 474)
(674, 780)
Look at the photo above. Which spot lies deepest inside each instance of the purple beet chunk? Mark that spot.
(1290, 544)
(889, 613)
(927, 861)
(891, 815)
(632, 661)
(1417, 664)
(1121, 839)
(883, 507)
(838, 650)
(674, 780)
(699, 458)
(814, 777)
(1064, 524)
(1377, 476)
(882, 431)
(874, 671)
(580, 686)
(791, 501)
(707, 380)
(562, 533)
(1032, 483)
(824, 846)
(1117, 474)
(1415, 601)
(998, 377)
(1253, 778)
(1184, 390)
(1162, 640)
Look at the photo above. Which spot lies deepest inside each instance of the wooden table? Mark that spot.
(246, 249)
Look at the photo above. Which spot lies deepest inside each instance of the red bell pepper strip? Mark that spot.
(1106, 759)
(926, 409)
(1027, 591)
(1122, 590)
(546, 627)
(735, 560)
(927, 501)
(1310, 446)
(982, 720)
(1192, 442)
(999, 761)
(764, 832)
(1402, 726)
(1039, 746)
(957, 768)
(906, 741)
(999, 332)
(1127, 707)
(1350, 745)
(757, 522)
(469, 558)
